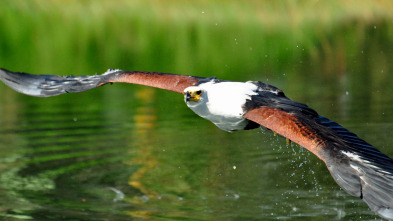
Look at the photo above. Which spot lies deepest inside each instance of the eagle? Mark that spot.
(356, 166)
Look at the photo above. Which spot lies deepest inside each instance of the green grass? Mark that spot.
(187, 37)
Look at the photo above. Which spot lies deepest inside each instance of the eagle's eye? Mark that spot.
(198, 92)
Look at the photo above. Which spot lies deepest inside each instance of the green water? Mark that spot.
(60, 156)
(127, 152)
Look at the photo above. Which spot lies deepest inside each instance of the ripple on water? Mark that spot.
(162, 166)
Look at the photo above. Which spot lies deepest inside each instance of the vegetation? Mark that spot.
(198, 37)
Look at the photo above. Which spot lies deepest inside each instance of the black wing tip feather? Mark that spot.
(366, 178)
(359, 168)
(21, 82)
(48, 85)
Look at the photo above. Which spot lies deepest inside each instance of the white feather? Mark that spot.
(222, 103)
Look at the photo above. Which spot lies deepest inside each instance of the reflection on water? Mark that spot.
(74, 157)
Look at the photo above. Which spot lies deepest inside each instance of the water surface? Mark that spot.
(94, 156)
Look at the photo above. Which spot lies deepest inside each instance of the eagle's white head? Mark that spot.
(221, 102)
(195, 96)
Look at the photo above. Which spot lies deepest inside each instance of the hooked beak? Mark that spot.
(187, 96)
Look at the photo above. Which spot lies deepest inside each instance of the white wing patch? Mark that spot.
(352, 156)
(355, 157)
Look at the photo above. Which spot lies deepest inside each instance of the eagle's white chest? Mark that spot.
(222, 103)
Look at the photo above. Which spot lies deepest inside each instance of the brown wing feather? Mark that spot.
(52, 85)
(171, 82)
(288, 126)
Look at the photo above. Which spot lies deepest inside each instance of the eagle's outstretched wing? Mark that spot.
(359, 168)
(51, 85)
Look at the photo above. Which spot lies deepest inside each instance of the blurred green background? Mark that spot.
(334, 55)
(224, 38)
(287, 42)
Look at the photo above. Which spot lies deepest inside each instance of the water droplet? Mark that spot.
(234, 167)
(294, 209)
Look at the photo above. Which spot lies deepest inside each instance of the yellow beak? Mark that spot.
(192, 96)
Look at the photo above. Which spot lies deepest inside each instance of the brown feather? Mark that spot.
(288, 126)
(172, 82)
